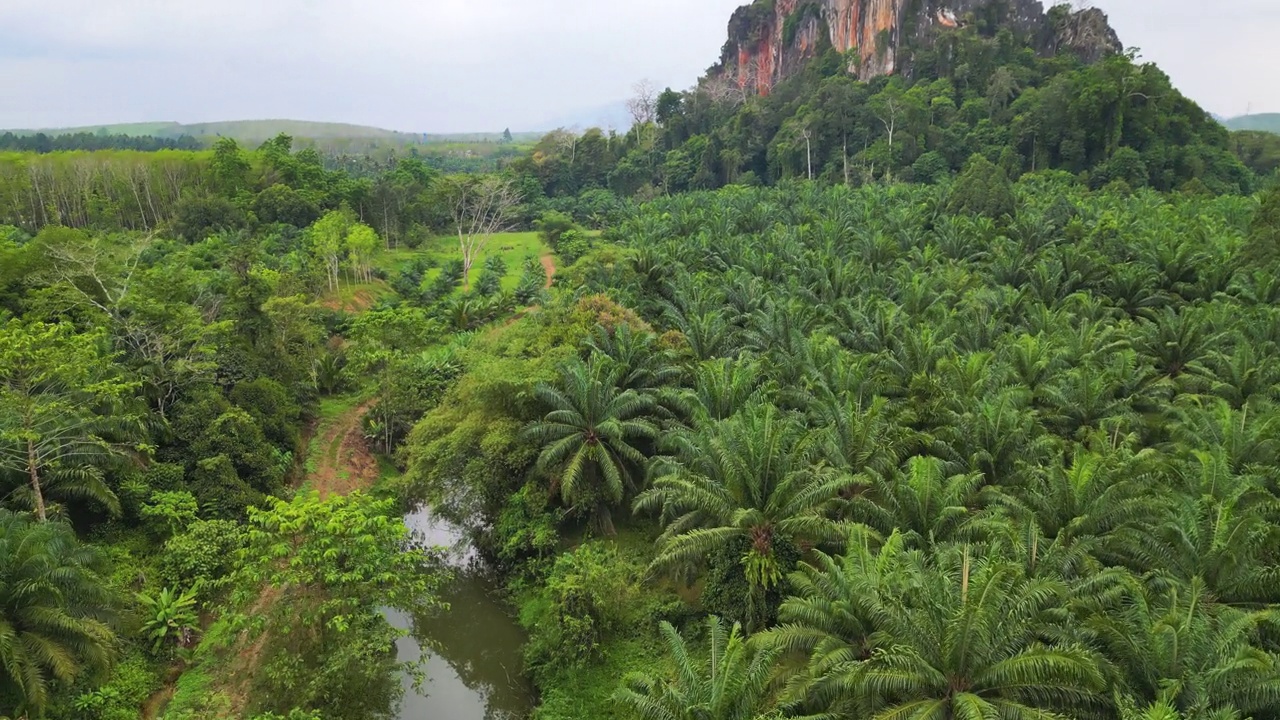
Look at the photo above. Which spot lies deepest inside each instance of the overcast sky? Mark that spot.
(471, 65)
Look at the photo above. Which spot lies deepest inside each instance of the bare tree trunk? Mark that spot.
(808, 151)
(466, 261)
(845, 153)
(35, 480)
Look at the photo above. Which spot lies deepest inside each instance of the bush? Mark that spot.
(133, 680)
(573, 245)
(587, 595)
(728, 594)
(169, 512)
(202, 556)
(552, 226)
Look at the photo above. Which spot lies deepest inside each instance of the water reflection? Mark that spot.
(473, 667)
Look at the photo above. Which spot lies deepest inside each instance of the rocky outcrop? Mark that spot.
(772, 39)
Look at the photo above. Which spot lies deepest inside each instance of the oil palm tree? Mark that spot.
(1072, 507)
(55, 611)
(921, 501)
(1219, 532)
(967, 639)
(895, 633)
(589, 437)
(1170, 646)
(732, 683)
(746, 477)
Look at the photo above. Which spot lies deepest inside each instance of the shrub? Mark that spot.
(202, 556)
(587, 595)
(573, 245)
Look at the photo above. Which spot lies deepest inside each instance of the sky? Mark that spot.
(472, 65)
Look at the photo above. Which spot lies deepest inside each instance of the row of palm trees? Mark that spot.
(965, 469)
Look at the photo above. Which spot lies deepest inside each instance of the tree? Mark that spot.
(733, 683)
(338, 563)
(745, 477)
(329, 241)
(1263, 247)
(1171, 647)
(61, 418)
(588, 438)
(55, 613)
(983, 189)
(362, 244)
(480, 207)
(954, 637)
(643, 104)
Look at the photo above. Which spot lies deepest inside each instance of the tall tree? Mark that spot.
(329, 241)
(480, 207)
(60, 415)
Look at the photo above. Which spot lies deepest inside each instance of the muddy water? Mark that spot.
(473, 649)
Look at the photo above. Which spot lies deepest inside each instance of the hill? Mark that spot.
(798, 94)
(256, 131)
(1265, 122)
(771, 40)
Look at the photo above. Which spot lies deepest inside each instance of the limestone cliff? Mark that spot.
(772, 39)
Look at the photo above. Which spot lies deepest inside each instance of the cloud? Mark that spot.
(456, 65)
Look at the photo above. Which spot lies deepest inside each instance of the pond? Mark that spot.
(474, 649)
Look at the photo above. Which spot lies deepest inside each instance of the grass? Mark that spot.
(320, 447)
(513, 248)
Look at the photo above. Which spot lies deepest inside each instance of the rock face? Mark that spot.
(772, 39)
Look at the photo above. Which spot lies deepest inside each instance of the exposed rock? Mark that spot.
(772, 39)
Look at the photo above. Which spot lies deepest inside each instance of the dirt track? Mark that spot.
(344, 464)
(549, 264)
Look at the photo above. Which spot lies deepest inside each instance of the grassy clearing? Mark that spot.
(513, 248)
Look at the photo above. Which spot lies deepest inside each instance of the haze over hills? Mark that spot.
(1267, 122)
(256, 131)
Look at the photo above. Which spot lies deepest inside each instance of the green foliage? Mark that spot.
(133, 680)
(733, 683)
(744, 478)
(1264, 233)
(338, 562)
(588, 594)
(169, 618)
(201, 556)
(533, 280)
(589, 437)
(983, 189)
(171, 512)
(55, 612)
(573, 245)
(552, 227)
(58, 391)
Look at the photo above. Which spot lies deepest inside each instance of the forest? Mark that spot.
(946, 396)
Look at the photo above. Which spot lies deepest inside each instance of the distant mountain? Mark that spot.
(613, 115)
(257, 131)
(1266, 122)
